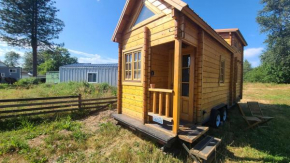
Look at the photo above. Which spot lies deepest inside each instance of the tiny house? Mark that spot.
(9, 74)
(175, 73)
(91, 73)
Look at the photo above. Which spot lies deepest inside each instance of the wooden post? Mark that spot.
(80, 101)
(177, 74)
(145, 74)
(119, 94)
(160, 103)
(167, 105)
(154, 103)
(177, 84)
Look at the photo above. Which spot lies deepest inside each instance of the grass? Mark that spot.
(97, 138)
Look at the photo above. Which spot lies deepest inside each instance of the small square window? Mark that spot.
(92, 77)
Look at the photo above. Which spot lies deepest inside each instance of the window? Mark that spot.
(144, 14)
(2, 74)
(185, 75)
(12, 70)
(133, 72)
(137, 65)
(92, 77)
(222, 70)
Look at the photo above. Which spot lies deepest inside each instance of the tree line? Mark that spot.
(47, 60)
(274, 20)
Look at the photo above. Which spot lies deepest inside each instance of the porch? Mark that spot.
(171, 71)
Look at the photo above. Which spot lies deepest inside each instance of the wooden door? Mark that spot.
(187, 85)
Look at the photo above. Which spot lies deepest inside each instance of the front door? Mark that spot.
(187, 85)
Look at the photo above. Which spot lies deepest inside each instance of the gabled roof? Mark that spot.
(180, 6)
(3, 64)
(91, 65)
(234, 30)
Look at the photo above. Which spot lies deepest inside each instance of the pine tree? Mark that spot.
(30, 23)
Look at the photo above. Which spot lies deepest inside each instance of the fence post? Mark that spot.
(80, 101)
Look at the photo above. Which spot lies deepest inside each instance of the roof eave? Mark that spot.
(194, 17)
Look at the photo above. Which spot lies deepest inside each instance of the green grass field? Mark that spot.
(96, 138)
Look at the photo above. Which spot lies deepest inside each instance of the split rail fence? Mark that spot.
(10, 108)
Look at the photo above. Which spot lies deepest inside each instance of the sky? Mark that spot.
(89, 26)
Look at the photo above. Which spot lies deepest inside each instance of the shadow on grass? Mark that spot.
(264, 144)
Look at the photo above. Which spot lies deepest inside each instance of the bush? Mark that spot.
(28, 81)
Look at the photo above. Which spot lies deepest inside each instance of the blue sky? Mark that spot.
(91, 23)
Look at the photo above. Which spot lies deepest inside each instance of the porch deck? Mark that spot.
(163, 132)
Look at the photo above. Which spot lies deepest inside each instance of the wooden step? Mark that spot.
(206, 147)
(191, 134)
(168, 119)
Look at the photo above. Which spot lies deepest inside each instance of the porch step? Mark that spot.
(162, 137)
(192, 133)
(163, 117)
(206, 148)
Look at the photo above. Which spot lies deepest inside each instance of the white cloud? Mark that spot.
(255, 63)
(253, 52)
(92, 58)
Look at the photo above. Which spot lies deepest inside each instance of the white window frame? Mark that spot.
(92, 73)
(2, 74)
(15, 70)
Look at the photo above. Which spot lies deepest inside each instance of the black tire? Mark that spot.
(215, 118)
(224, 114)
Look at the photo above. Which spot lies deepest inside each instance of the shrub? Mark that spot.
(28, 81)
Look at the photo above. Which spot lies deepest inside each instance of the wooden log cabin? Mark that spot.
(175, 72)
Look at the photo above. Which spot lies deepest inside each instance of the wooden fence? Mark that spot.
(10, 108)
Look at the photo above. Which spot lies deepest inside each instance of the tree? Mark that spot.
(29, 23)
(28, 60)
(54, 59)
(11, 59)
(274, 20)
(247, 67)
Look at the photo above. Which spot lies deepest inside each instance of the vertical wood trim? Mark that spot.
(199, 75)
(160, 103)
(154, 102)
(177, 74)
(119, 94)
(167, 105)
(242, 74)
(145, 74)
(231, 80)
(177, 84)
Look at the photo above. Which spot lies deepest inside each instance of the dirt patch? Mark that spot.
(92, 122)
(37, 142)
(64, 132)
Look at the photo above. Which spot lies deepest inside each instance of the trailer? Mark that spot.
(176, 74)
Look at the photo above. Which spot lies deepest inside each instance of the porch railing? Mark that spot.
(158, 101)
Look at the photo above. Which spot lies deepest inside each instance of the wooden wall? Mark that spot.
(132, 101)
(162, 31)
(160, 57)
(213, 92)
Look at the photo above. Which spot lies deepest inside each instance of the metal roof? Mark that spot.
(91, 65)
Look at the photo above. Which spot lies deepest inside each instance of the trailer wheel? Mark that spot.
(216, 121)
(224, 114)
